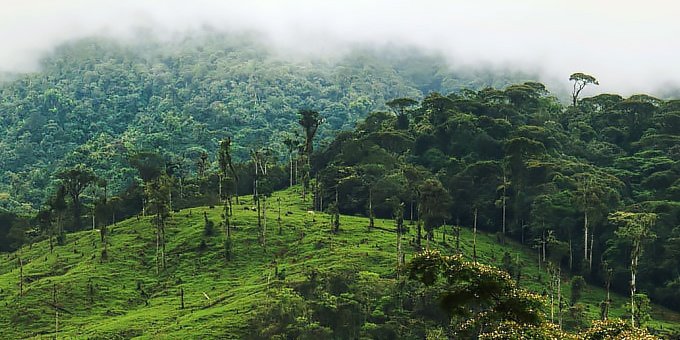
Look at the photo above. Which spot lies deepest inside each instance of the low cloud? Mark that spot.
(629, 46)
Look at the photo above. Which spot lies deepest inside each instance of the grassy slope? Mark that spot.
(104, 299)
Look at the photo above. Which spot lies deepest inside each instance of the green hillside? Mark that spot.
(124, 297)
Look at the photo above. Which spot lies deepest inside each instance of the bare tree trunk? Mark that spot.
(585, 234)
(278, 200)
(181, 188)
(543, 242)
(163, 262)
(474, 238)
(259, 220)
(505, 180)
(590, 255)
(371, 221)
(264, 221)
(219, 187)
(21, 275)
(181, 297)
(158, 241)
(290, 161)
(559, 295)
(170, 196)
(571, 254)
(236, 189)
(632, 298)
(457, 230)
(605, 313)
(419, 235)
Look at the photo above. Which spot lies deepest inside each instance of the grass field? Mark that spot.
(74, 291)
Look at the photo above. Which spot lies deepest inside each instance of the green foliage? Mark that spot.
(642, 309)
(476, 296)
(615, 329)
(578, 283)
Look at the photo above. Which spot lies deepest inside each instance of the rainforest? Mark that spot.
(209, 185)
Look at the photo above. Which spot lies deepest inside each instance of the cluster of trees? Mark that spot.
(161, 187)
(515, 161)
(442, 297)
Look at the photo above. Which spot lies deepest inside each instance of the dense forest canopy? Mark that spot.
(517, 162)
(96, 101)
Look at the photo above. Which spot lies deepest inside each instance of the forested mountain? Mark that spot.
(98, 101)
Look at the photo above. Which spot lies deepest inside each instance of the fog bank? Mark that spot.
(629, 46)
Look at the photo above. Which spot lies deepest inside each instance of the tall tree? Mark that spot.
(434, 205)
(400, 107)
(291, 143)
(370, 174)
(225, 160)
(634, 228)
(58, 207)
(157, 192)
(581, 80)
(74, 181)
(310, 121)
(150, 166)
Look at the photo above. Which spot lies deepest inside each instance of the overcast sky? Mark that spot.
(630, 46)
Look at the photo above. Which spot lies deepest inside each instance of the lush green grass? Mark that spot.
(124, 296)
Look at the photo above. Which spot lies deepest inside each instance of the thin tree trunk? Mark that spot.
(290, 161)
(21, 276)
(559, 295)
(371, 221)
(632, 298)
(259, 220)
(590, 255)
(236, 189)
(457, 229)
(504, 203)
(571, 254)
(474, 238)
(264, 221)
(543, 242)
(585, 235)
(181, 297)
(278, 200)
(419, 235)
(605, 315)
(158, 240)
(219, 187)
(181, 188)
